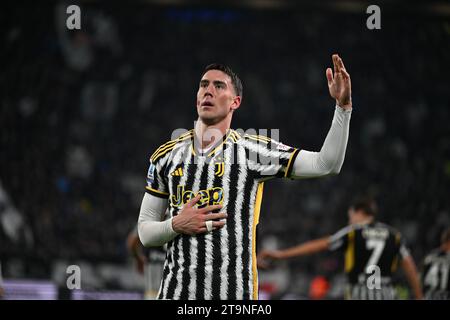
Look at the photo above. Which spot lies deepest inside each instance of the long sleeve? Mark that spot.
(153, 230)
(330, 159)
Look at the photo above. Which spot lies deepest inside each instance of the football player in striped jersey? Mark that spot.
(211, 180)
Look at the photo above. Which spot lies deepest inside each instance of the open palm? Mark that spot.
(339, 83)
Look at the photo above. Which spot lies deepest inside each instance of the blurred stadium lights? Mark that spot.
(46, 290)
(30, 290)
(104, 295)
(437, 7)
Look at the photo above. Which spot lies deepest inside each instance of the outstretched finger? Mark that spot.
(214, 216)
(335, 63)
(329, 74)
(341, 64)
(345, 74)
(218, 224)
(193, 201)
(210, 208)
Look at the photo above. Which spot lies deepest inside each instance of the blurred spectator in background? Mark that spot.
(135, 249)
(436, 271)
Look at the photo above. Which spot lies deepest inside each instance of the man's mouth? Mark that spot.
(207, 104)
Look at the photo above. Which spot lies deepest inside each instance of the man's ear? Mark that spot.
(236, 103)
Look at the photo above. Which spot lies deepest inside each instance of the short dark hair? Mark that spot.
(445, 236)
(365, 204)
(237, 83)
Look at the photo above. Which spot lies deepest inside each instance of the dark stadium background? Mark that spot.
(81, 112)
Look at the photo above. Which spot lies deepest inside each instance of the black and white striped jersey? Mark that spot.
(370, 249)
(220, 264)
(436, 275)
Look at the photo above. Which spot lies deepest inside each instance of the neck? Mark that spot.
(211, 133)
(366, 220)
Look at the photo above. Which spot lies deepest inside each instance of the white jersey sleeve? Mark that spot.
(331, 156)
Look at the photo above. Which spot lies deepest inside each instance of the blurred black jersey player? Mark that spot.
(436, 271)
(372, 253)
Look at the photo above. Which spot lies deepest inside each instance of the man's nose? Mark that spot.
(209, 90)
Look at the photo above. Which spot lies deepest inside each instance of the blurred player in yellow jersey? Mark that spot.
(371, 249)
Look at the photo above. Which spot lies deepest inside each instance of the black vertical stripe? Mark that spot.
(176, 257)
(191, 170)
(173, 281)
(230, 225)
(157, 174)
(169, 168)
(160, 176)
(173, 246)
(246, 230)
(216, 238)
(201, 246)
(166, 269)
(200, 272)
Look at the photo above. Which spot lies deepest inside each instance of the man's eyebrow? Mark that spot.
(215, 82)
(219, 82)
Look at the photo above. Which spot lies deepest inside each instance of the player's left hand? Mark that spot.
(339, 83)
